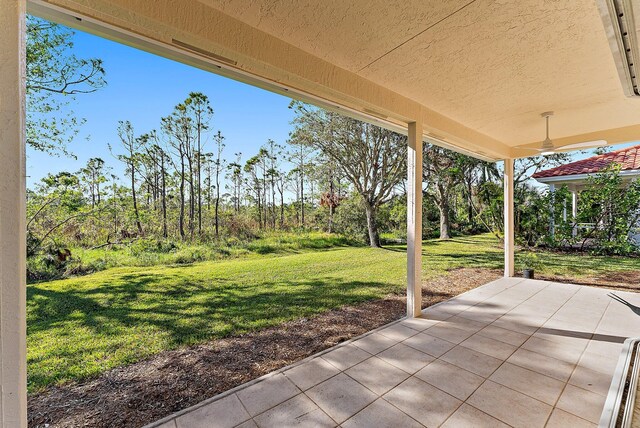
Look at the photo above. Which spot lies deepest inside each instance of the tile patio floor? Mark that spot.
(513, 352)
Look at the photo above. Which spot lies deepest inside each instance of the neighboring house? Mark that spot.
(574, 175)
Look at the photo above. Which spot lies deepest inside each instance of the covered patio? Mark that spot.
(472, 76)
(513, 352)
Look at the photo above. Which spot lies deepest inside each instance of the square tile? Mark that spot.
(435, 314)
(299, 411)
(380, 414)
(341, 397)
(561, 419)
(405, 358)
(377, 375)
(451, 379)
(473, 361)
(418, 323)
(429, 344)
(345, 356)
(591, 380)
(423, 402)
(528, 382)
(448, 332)
(311, 373)
(520, 323)
(225, 412)
(582, 403)
(483, 314)
(543, 364)
(503, 335)
(605, 345)
(466, 324)
(560, 350)
(470, 417)
(489, 346)
(509, 406)
(374, 343)
(598, 362)
(266, 394)
(398, 332)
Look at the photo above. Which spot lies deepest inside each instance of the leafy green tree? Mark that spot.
(133, 148)
(54, 76)
(93, 176)
(612, 205)
(371, 158)
(442, 170)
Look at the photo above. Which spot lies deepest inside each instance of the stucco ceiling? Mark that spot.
(493, 66)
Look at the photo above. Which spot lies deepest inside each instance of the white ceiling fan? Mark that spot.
(548, 148)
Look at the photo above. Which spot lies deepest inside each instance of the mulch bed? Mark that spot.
(170, 381)
(621, 281)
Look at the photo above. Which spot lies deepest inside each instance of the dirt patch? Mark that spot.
(628, 280)
(170, 381)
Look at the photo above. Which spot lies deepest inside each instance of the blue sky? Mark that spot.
(142, 88)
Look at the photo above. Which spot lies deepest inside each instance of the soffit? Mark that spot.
(492, 66)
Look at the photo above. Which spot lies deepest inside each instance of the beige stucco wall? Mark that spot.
(13, 399)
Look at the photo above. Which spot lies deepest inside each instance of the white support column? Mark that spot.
(414, 220)
(552, 210)
(13, 360)
(509, 236)
(574, 212)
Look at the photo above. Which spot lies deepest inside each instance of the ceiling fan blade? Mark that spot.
(574, 146)
(583, 145)
(528, 147)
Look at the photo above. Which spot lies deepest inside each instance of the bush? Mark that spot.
(150, 245)
(350, 219)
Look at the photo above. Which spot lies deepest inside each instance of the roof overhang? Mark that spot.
(476, 75)
(573, 178)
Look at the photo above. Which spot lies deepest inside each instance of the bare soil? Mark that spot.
(621, 281)
(170, 381)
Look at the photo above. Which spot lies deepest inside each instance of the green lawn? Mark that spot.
(80, 327)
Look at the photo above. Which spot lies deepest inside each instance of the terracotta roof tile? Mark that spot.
(628, 158)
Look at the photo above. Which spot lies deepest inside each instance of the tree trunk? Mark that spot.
(302, 199)
(372, 227)
(470, 204)
(331, 205)
(331, 209)
(444, 221)
(282, 208)
(217, 206)
(199, 173)
(181, 215)
(165, 232)
(135, 202)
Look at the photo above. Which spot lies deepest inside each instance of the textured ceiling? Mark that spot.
(349, 34)
(493, 66)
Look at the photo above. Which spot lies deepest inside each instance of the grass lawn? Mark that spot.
(81, 327)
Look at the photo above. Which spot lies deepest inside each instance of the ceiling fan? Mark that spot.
(548, 148)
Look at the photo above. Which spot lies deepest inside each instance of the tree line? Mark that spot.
(333, 173)
(181, 183)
